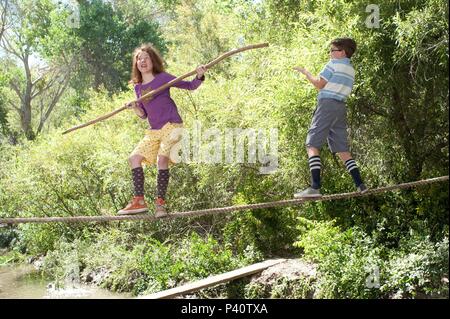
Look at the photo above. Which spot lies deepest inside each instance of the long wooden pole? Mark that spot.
(168, 84)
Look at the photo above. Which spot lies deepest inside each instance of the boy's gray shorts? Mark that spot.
(329, 123)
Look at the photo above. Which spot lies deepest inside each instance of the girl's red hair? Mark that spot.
(155, 56)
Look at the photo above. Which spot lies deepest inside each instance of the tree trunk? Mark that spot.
(25, 120)
(3, 13)
(400, 123)
(26, 104)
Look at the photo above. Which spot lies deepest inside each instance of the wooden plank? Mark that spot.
(214, 280)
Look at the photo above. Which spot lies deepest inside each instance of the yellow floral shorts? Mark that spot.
(158, 142)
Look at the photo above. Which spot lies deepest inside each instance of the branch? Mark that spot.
(17, 90)
(49, 84)
(374, 110)
(53, 73)
(169, 84)
(8, 47)
(3, 17)
(15, 107)
(62, 87)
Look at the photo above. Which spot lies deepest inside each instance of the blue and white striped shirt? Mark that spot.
(340, 75)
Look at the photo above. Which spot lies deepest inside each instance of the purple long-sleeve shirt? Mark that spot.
(161, 109)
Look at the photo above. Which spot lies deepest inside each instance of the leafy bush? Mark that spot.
(122, 264)
(419, 268)
(283, 287)
(170, 265)
(86, 172)
(352, 265)
(7, 235)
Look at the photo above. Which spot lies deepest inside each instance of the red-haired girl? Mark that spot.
(162, 114)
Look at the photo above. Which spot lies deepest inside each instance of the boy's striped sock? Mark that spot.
(315, 165)
(352, 168)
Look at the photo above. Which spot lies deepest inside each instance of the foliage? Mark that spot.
(167, 266)
(143, 266)
(398, 127)
(7, 235)
(13, 256)
(351, 265)
(45, 53)
(283, 287)
(419, 268)
(107, 39)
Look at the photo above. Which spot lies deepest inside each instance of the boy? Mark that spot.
(329, 121)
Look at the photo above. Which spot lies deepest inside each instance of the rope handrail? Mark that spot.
(195, 213)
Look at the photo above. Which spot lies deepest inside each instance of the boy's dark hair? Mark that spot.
(346, 44)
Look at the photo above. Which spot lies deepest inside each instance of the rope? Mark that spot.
(281, 203)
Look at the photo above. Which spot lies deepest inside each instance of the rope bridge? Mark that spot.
(281, 203)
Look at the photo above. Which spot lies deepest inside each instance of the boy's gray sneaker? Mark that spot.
(362, 188)
(309, 192)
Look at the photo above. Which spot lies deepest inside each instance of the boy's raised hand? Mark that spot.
(300, 69)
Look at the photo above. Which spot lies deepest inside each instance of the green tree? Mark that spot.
(96, 53)
(4, 129)
(402, 95)
(30, 21)
(400, 98)
(199, 32)
(3, 13)
(107, 38)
